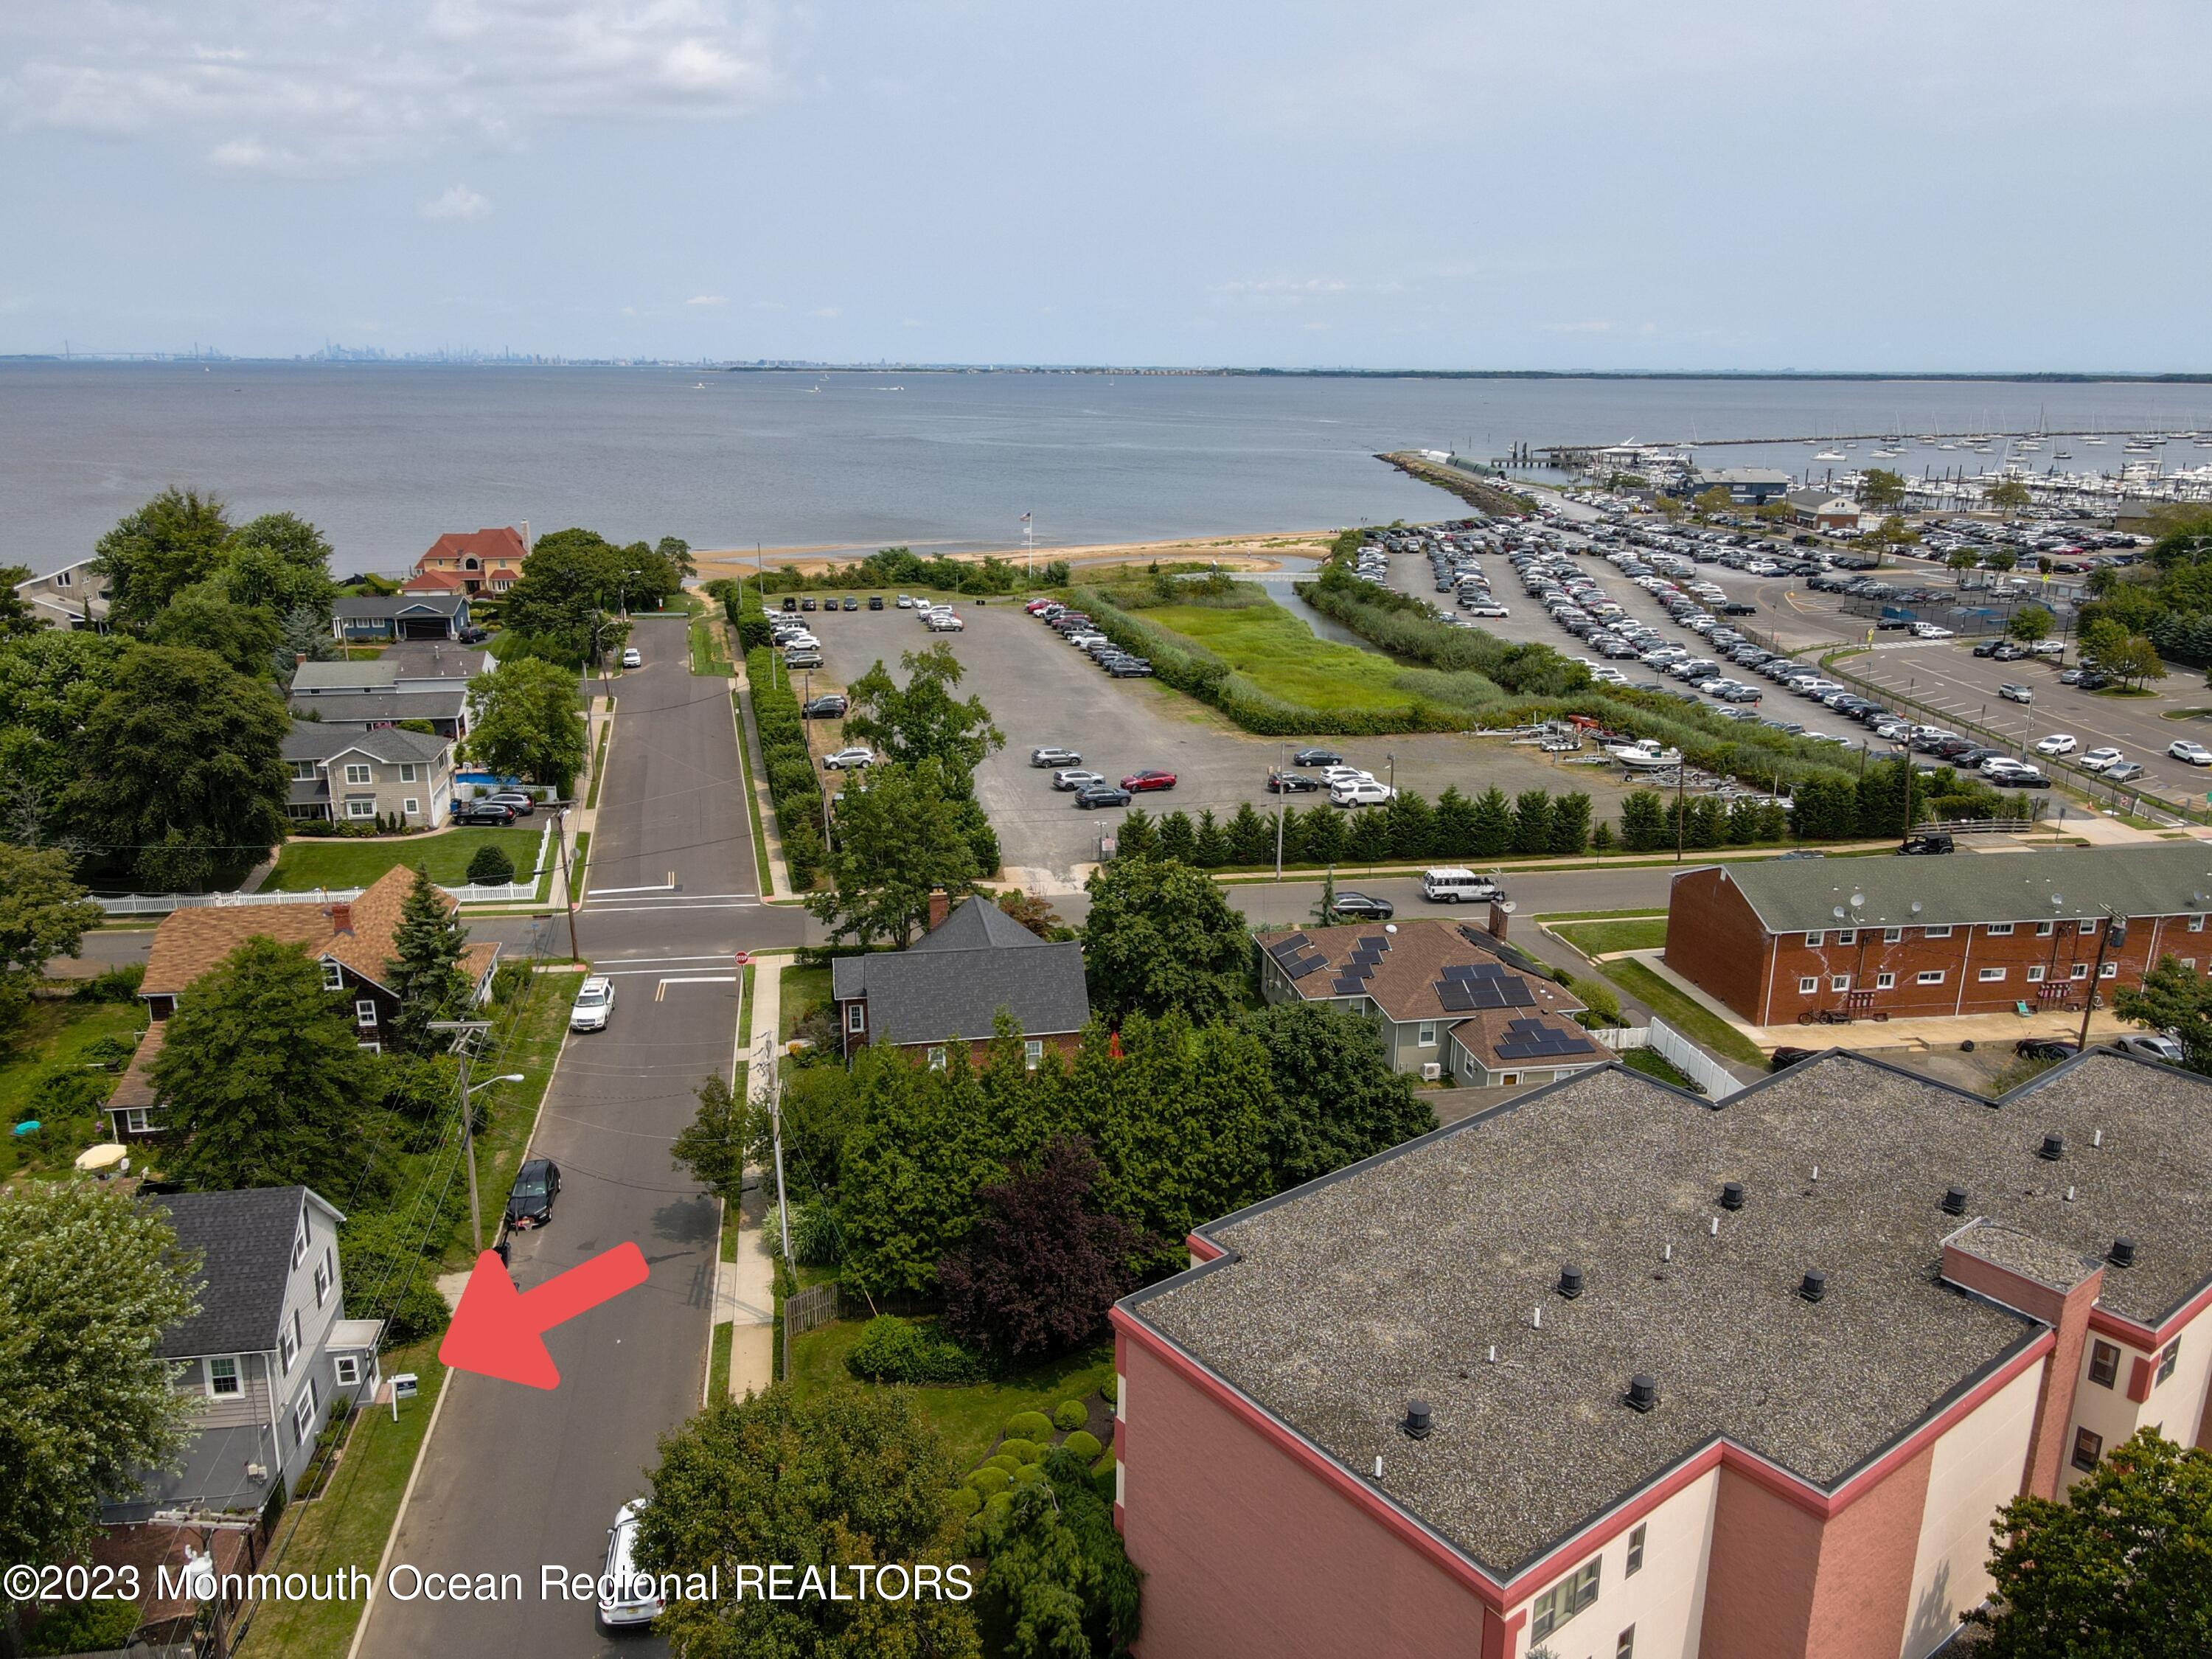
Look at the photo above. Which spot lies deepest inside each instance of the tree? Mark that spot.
(2009, 495)
(1033, 912)
(840, 1478)
(571, 577)
(899, 836)
(1039, 1269)
(1963, 558)
(1160, 936)
(1324, 911)
(677, 553)
(1713, 502)
(1058, 1583)
(180, 766)
(281, 564)
(528, 723)
(2004, 559)
(2029, 624)
(203, 616)
(1493, 823)
(2176, 1000)
(1642, 820)
(426, 975)
(265, 1083)
(2116, 1570)
(89, 1283)
(1532, 821)
(1893, 531)
(716, 1145)
(490, 867)
(922, 719)
(2136, 659)
(1882, 490)
(1336, 1098)
(43, 914)
(301, 636)
(17, 619)
(174, 541)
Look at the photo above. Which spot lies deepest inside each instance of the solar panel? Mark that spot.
(1454, 997)
(1349, 987)
(1377, 943)
(1356, 969)
(1486, 970)
(1517, 994)
(1483, 994)
(1284, 949)
(1472, 935)
(1459, 971)
(1300, 969)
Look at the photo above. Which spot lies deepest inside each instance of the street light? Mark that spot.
(469, 1145)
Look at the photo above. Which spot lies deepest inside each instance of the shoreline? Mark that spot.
(1258, 551)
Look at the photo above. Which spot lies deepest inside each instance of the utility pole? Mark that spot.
(1681, 811)
(467, 1035)
(1282, 799)
(782, 1205)
(568, 881)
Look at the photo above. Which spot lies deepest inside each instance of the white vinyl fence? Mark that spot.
(1693, 1062)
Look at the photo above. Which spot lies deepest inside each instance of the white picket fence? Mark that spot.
(161, 904)
(1693, 1062)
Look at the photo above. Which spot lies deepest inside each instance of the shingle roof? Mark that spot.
(1403, 980)
(136, 1086)
(1392, 1279)
(322, 741)
(405, 605)
(375, 674)
(954, 980)
(190, 943)
(1793, 895)
(361, 707)
(501, 544)
(245, 1243)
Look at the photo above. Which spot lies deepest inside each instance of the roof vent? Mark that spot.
(2053, 1147)
(1954, 1201)
(1417, 1419)
(2123, 1253)
(1731, 1194)
(1570, 1282)
(1815, 1285)
(1642, 1393)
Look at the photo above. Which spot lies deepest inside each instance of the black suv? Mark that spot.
(828, 706)
(875, 601)
(483, 811)
(1934, 841)
(1291, 783)
(1362, 907)
(537, 1184)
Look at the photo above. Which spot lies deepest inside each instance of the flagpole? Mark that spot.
(1028, 542)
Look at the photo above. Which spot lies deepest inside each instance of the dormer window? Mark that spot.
(333, 976)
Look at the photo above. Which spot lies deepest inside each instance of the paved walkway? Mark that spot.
(745, 1292)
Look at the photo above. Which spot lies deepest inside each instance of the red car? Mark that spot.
(1138, 782)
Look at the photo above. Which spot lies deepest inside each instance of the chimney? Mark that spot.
(1497, 915)
(341, 915)
(299, 660)
(940, 906)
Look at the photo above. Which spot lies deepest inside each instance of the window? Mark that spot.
(2044, 929)
(2104, 1363)
(1814, 941)
(1839, 981)
(2110, 970)
(300, 1240)
(1847, 936)
(1990, 975)
(303, 1414)
(2196, 924)
(361, 806)
(411, 807)
(333, 976)
(2000, 930)
(1427, 1038)
(1625, 1647)
(1808, 985)
(1893, 935)
(1930, 976)
(2168, 1357)
(2086, 925)
(1564, 1599)
(1935, 933)
(1883, 981)
(2080, 970)
(856, 1017)
(364, 1011)
(2088, 1448)
(303, 771)
(1634, 1554)
(1032, 1053)
(2035, 975)
(133, 1120)
(347, 1368)
(222, 1376)
(62, 579)
(936, 1059)
(408, 770)
(322, 1279)
(288, 1342)
(357, 774)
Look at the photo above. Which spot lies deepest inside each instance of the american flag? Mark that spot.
(1025, 518)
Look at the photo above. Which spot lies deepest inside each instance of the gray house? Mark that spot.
(403, 617)
(343, 773)
(71, 596)
(414, 680)
(949, 985)
(268, 1355)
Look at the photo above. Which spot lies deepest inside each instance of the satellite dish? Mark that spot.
(1389, 926)
(1508, 906)
(1916, 906)
(1857, 899)
(1838, 913)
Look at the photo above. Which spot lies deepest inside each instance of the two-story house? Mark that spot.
(342, 775)
(267, 1356)
(470, 562)
(71, 596)
(414, 680)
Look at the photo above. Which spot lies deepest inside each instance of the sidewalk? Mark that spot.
(746, 1288)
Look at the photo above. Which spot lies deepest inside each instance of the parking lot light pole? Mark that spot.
(1282, 800)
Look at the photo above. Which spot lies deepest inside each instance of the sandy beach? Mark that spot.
(1255, 552)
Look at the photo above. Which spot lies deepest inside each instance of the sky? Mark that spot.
(1718, 184)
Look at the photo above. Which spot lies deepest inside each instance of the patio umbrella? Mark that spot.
(99, 1156)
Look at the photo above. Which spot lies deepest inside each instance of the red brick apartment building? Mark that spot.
(1623, 1374)
(1916, 938)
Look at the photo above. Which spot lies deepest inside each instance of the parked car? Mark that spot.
(1149, 780)
(2182, 749)
(2046, 1049)
(483, 811)
(1784, 1057)
(1291, 783)
(1316, 757)
(2098, 759)
(2149, 1045)
(473, 635)
(1102, 794)
(1360, 791)
(2013, 693)
(1363, 907)
(632, 657)
(791, 602)
(626, 1596)
(594, 1005)
(830, 706)
(523, 805)
(1929, 842)
(849, 760)
(806, 604)
(1050, 756)
(530, 1201)
(2126, 771)
(2058, 743)
(1455, 886)
(1074, 777)
(875, 601)
(852, 602)
(1128, 668)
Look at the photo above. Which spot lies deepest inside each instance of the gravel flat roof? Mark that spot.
(1393, 1280)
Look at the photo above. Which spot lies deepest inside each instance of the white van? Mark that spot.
(1457, 887)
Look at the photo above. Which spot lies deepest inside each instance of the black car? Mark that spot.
(1129, 668)
(1781, 1059)
(875, 601)
(790, 602)
(828, 706)
(807, 604)
(473, 635)
(1362, 907)
(1986, 648)
(1102, 794)
(852, 602)
(483, 811)
(1292, 783)
(1930, 843)
(2046, 1049)
(1318, 757)
(530, 1201)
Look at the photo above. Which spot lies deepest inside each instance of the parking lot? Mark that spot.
(1043, 692)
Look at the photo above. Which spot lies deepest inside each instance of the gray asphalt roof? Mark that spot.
(322, 740)
(336, 707)
(405, 605)
(976, 923)
(1801, 895)
(1392, 1280)
(374, 675)
(244, 1240)
(953, 981)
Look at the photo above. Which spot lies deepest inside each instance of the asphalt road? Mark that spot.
(515, 1477)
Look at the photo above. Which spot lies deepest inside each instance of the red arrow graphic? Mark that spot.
(498, 1331)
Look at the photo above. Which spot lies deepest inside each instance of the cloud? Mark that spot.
(1576, 328)
(332, 86)
(707, 300)
(827, 311)
(461, 202)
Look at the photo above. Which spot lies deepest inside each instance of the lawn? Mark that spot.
(56, 1034)
(347, 1525)
(802, 988)
(752, 795)
(969, 1417)
(1598, 938)
(1690, 1018)
(1280, 654)
(707, 654)
(305, 866)
(526, 1039)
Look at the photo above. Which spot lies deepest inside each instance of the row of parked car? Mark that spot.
(1093, 789)
(1074, 627)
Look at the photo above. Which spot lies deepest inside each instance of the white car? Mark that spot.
(632, 657)
(1333, 775)
(1487, 610)
(1930, 631)
(627, 1596)
(947, 623)
(2195, 753)
(851, 759)
(906, 602)
(595, 1004)
(2098, 759)
(2058, 743)
(1360, 791)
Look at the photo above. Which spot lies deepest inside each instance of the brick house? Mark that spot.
(354, 942)
(470, 562)
(1442, 994)
(1915, 938)
(1606, 1370)
(950, 984)
(341, 775)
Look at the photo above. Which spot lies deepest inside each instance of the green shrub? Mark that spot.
(114, 985)
(509, 981)
(83, 1628)
(994, 1508)
(491, 867)
(1084, 1444)
(895, 1350)
(1022, 1451)
(1029, 1425)
(1070, 1415)
(966, 1500)
(1029, 1473)
(988, 1481)
(1109, 1390)
(1002, 1460)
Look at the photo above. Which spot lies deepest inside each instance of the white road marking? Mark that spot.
(661, 989)
(657, 887)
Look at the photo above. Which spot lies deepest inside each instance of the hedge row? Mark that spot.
(791, 779)
(895, 1350)
(1490, 825)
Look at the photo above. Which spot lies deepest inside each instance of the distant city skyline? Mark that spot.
(1734, 187)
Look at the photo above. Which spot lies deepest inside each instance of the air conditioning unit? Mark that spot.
(257, 1473)
(1431, 1072)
